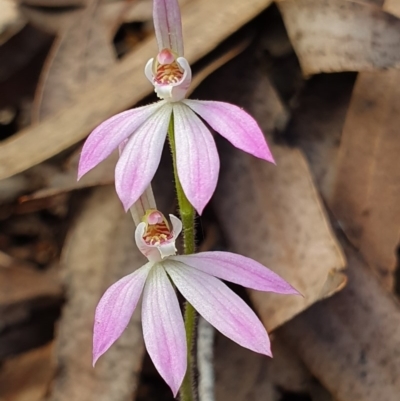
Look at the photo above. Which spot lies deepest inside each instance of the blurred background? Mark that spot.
(322, 79)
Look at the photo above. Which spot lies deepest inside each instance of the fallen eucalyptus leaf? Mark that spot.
(341, 35)
(366, 196)
(27, 377)
(78, 57)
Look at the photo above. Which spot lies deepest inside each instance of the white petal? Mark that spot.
(196, 156)
(115, 309)
(141, 156)
(163, 328)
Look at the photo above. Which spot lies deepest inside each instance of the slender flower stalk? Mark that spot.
(197, 278)
(142, 131)
(187, 214)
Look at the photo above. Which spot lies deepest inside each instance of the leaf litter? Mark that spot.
(334, 138)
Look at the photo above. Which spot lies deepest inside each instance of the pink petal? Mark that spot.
(163, 328)
(141, 156)
(235, 125)
(237, 269)
(115, 310)
(197, 157)
(111, 133)
(168, 25)
(220, 306)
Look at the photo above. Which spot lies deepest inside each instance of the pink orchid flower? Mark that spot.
(196, 277)
(142, 131)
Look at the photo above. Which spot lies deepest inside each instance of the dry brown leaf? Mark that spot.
(317, 123)
(99, 250)
(81, 54)
(392, 7)
(123, 85)
(273, 214)
(51, 20)
(55, 20)
(25, 292)
(27, 377)
(18, 53)
(366, 197)
(54, 3)
(261, 378)
(11, 20)
(20, 282)
(290, 234)
(138, 11)
(350, 341)
(65, 181)
(341, 35)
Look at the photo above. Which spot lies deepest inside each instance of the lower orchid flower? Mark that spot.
(143, 130)
(197, 278)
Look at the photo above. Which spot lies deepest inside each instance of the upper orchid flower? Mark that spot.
(142, 130)
(196, 277)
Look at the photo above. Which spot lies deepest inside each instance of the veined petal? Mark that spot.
(196, 156)
(237, 269)
(220, 306)
(111, 133)
(163, 328)
(141, 156)
(235, 125)
(115, 310)
(168, 25)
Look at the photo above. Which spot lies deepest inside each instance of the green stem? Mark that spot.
(187, 214)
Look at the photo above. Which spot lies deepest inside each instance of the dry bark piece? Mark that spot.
(350, 341)
(366, 197)
(341, 35)
(27, 377)
(123, 85)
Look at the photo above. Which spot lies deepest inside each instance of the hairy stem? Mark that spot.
(187, 214)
